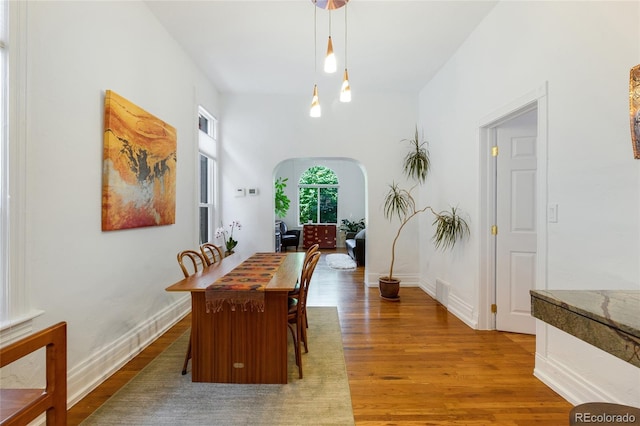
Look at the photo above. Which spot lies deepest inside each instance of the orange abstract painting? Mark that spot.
(139, 167)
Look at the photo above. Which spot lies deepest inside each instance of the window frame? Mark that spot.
(4, 166)
(207, 149)
(319, 187)
(18, 312)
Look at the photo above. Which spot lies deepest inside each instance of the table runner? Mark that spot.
(245, 285)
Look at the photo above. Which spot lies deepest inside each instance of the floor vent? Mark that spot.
(442, 292)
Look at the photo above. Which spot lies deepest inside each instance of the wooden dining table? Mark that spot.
(241, 344)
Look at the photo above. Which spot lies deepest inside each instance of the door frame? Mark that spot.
(535, 99)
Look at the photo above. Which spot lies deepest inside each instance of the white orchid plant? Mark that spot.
(227, 236)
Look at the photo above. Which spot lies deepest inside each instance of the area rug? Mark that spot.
(160, 395)
(340, 261)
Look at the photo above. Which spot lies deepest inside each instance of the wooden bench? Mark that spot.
(21, 406)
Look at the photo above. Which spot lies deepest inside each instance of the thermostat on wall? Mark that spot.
(240, 192)
(252, 191)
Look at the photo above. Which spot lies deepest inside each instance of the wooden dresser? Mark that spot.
(325, 235)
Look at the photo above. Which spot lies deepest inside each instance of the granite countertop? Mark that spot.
(608, 319)
(616, 308)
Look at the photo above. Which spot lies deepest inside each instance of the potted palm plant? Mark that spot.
(400, 204)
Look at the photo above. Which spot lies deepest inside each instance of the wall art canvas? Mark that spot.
(634, 109)
(139, 167)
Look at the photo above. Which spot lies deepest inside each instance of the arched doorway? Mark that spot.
(352, 193)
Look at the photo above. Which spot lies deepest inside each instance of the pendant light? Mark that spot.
(330, 64)
(315, 111)
(345, 90)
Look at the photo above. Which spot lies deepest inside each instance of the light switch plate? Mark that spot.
(552, 213)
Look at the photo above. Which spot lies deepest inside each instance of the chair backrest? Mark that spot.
(283, 228)
(305, 278)
(211, 253)
(197, 261)
(314, 248)
(307, 256)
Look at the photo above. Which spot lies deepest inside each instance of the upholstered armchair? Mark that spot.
(356, 247)
(289, 237)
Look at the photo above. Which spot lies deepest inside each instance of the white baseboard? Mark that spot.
(568, 384)
(442, 292)
(429, 289)
(100, 365)
(458, 307)
(462, 310)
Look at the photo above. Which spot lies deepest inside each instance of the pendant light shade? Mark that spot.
(345, 91)
(315, 111)
(330, 64)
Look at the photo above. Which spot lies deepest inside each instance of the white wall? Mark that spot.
(260, 131)
(584, 51)
(108, 286)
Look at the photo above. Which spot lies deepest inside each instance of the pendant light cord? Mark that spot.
(315, 41)
(345, 35)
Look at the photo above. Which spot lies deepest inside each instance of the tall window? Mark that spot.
(318, 196)
(208, 127)
(16, 310)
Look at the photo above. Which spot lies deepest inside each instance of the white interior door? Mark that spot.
(516, 207)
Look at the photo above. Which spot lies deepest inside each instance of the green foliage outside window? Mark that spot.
(319, 175)
(318, 196)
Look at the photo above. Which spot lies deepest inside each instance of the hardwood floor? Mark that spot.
(408, 362)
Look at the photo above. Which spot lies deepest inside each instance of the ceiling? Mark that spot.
(267, 46)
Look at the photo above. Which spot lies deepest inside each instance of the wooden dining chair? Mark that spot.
(293, 294)
(211, 253)
(198, 262)
(314, 248)
(296, 318)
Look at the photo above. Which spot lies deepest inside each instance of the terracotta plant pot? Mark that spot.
(389, 288)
